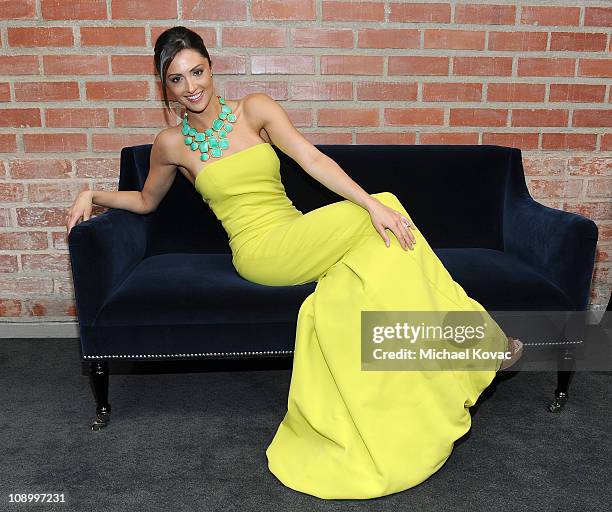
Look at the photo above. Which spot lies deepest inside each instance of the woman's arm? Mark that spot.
(159, 180)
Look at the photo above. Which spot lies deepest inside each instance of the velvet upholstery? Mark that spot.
(162, 285)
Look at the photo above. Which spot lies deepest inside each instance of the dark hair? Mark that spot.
(168, 44)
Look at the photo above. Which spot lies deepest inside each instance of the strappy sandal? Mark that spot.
(515, 347)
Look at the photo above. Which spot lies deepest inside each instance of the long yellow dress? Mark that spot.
(347, 433)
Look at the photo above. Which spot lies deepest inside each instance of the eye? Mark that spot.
(198, 71)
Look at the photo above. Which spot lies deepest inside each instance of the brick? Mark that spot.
(133, 65)
(600, 187)
(283, 64)
(321, 91)
(125, 90)
(75, 64)
(97, 168)
(347, 117)
(10, 308)
(314, 37)
(76, 117)
(595, 67)
(539, 117)
(592, 117)
(8, 263)
(402, 137)
(484, 14)
(578, 41)
(49, 307)
(523, 141)
(19, 65)
(55, 192)
(113, 36)
(598, 16)
(577, 92)
(552, 188)
(454, 39)
(518, 41)
(388, 38)
(275, 89)
(283, 10)
(18, 9)
(141, 117)
(414, 116)
(253, 37)
(12, 192)
(418, 12)
(113, 142)
(545, 66)
(342, 11)
(482, 66)
(8, 143)
(215, 10)
(34, 216)
(46, 91)
(20, 117)
(23, 240)
(39, 36)
(478, 117)
(387, 91)
(45, 262)
(351, 64)
(589, 166)
(452, 91)
(54, 142)
(516, 92)
(462, 137)
(26, 285)
(40, 168)
(73, 10)
(545, 15)
(418, 65)
(569, 141)
(5, 92)
(143, 9)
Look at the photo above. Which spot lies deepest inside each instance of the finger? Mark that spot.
(384, 236)
(398, 232)
(406, 235)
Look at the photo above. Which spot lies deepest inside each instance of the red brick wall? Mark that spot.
(77, 83)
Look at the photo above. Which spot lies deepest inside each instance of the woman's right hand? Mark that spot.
(81, 207)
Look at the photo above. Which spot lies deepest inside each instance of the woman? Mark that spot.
(347, 433)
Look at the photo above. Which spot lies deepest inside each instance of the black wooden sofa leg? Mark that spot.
(98, 378)
(566, 365)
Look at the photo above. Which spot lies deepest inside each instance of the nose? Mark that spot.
(189, 85)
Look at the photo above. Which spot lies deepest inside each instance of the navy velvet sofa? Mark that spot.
(162, 287)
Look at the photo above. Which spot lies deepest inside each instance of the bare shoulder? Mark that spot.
(166, 144)
(267, 115)
(254, 106)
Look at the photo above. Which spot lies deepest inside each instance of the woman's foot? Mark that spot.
(515, 347)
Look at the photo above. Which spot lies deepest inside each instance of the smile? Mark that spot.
(196, 97)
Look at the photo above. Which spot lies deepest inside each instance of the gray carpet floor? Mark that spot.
(196, 440)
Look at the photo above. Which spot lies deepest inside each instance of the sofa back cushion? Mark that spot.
(454, 193)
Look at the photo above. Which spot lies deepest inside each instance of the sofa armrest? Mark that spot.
(103, 251)
(559, 244)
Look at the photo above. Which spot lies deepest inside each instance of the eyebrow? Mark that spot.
(179, 74)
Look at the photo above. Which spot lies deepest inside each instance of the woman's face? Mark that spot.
(188, 79)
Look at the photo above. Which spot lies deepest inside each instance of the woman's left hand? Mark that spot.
(384, 217)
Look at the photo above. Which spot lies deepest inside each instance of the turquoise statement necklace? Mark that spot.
(206, 141)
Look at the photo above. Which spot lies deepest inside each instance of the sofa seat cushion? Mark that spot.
(186, 288)
(501, 282)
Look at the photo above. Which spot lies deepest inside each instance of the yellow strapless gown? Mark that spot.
(347, 433)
